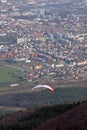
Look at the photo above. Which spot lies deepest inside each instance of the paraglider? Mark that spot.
(43, 86)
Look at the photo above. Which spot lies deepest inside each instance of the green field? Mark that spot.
(5, 75)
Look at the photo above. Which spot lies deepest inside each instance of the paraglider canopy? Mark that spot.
(43, 86)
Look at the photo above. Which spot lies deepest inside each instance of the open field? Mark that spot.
(7, 74)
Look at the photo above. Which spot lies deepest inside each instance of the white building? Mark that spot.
(4, 1)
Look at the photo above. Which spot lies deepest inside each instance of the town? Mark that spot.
(44, 39)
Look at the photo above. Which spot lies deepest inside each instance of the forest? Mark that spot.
(41, 114)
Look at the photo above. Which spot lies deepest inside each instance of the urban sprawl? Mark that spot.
(47, 38)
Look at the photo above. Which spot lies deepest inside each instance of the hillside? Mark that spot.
(59, 117)
(75, 119)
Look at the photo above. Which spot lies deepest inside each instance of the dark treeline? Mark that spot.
(40, 115)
